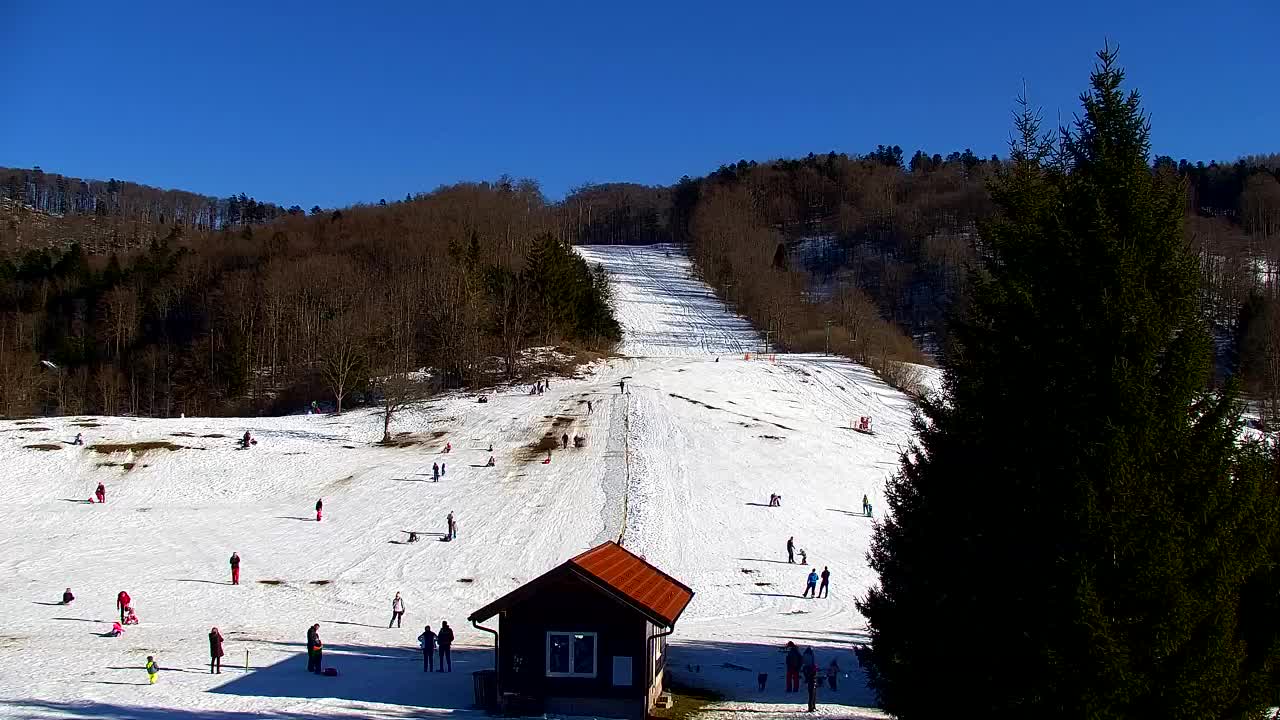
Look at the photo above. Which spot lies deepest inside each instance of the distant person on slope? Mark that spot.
(315, 649)
(67, 597)
(215, 651)
(588, 407)
(153, 669)
(435, 472)
(79, 439)
(235, 568)
(122, 603)
(101, 493)
(811, 584)
(427, 641)
(823, 590)
(445, 640)
(490, 463)
(319, 509)
(564, 441)
(791, 550)
(397, 611)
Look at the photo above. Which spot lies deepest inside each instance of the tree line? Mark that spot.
(265, 318)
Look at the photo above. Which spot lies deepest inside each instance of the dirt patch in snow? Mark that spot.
(45, 447)
(137, 447)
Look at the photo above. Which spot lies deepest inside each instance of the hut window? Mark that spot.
(571, 654)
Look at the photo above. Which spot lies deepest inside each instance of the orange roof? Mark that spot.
(643, 584)
(619, 573)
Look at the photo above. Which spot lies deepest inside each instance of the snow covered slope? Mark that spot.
(687, 458)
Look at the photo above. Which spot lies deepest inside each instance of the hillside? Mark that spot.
(681, 467)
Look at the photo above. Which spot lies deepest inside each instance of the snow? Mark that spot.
(687, 457)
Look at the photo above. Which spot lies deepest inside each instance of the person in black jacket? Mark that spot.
(235, 568)
(445, 639)
(314, 649)
(794, 661)
(823, 590)
(427, 640)
(67, 597)
(811, 683)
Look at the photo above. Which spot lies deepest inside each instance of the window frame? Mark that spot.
(595, 655)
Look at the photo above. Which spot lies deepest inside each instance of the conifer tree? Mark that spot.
(1078, 533)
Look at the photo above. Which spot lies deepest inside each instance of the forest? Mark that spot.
(159, 302)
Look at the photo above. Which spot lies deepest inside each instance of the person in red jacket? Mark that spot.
(122, 602)
(101, 492)
(319, 509)
(215, 651)
(235, 568)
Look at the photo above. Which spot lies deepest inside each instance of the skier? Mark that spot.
(445, 640)
(122, 603)
(152, 669)
(67, 597)
(793, 667)
(588, 407)
(427, 640)
(866, 506)
(101, 493)
(564, 441)
(804, 557)
(435, 472)
(833, 673)
(215, 652)
(811, 584)
(319, 509)
(397, 610)
(823, 590)
(315, 649)
(79, 439)
(235, 568)
(451, 527)
(791, 550)
(490, 447)
(490, 463)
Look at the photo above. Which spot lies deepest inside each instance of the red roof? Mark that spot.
(619, 573)
(643, 584)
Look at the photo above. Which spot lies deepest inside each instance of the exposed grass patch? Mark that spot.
(137, 447)
(438, 434)
(45, 447)
(687, 701)
(213, 435)
(127, 466)
(183, 434)
(87, 424)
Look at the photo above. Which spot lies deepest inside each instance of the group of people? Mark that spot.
(438, 469)
(578, 441)
(432, 642)
(539, 387)
(806, 665)
(811, 587)
(791, 550)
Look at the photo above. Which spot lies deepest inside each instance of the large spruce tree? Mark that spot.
(1078, 533)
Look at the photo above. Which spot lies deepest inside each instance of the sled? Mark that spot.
(330, 672)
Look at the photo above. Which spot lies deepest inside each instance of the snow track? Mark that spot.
(681, 467)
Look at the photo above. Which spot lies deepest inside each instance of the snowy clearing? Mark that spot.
(709, 436)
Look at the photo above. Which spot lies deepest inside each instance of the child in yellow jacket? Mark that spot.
(152, 669)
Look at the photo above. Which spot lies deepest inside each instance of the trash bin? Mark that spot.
(485, 683)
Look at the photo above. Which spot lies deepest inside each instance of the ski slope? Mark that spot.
(680, 467)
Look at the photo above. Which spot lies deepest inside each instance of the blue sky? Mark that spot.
(334, 103)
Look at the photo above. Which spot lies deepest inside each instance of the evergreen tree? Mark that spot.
(1078, 533)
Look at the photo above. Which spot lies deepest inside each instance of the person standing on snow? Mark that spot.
(791, 550)
(235, 568)
(564, 441)
(67, 597)
(397, 610)
(444, 469)
(427, 640)
(79, 439)
(101, 493)
(122, 603)
(823, 590)
(435, 472)
(315, 649)
(451, 527)
(833, 673)
(319, 509)
(445, 640)
(215, 652)
(794, 662)
(153, 669)
(811, 584)
(811, 683)
(866, 506)
(588, 407)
